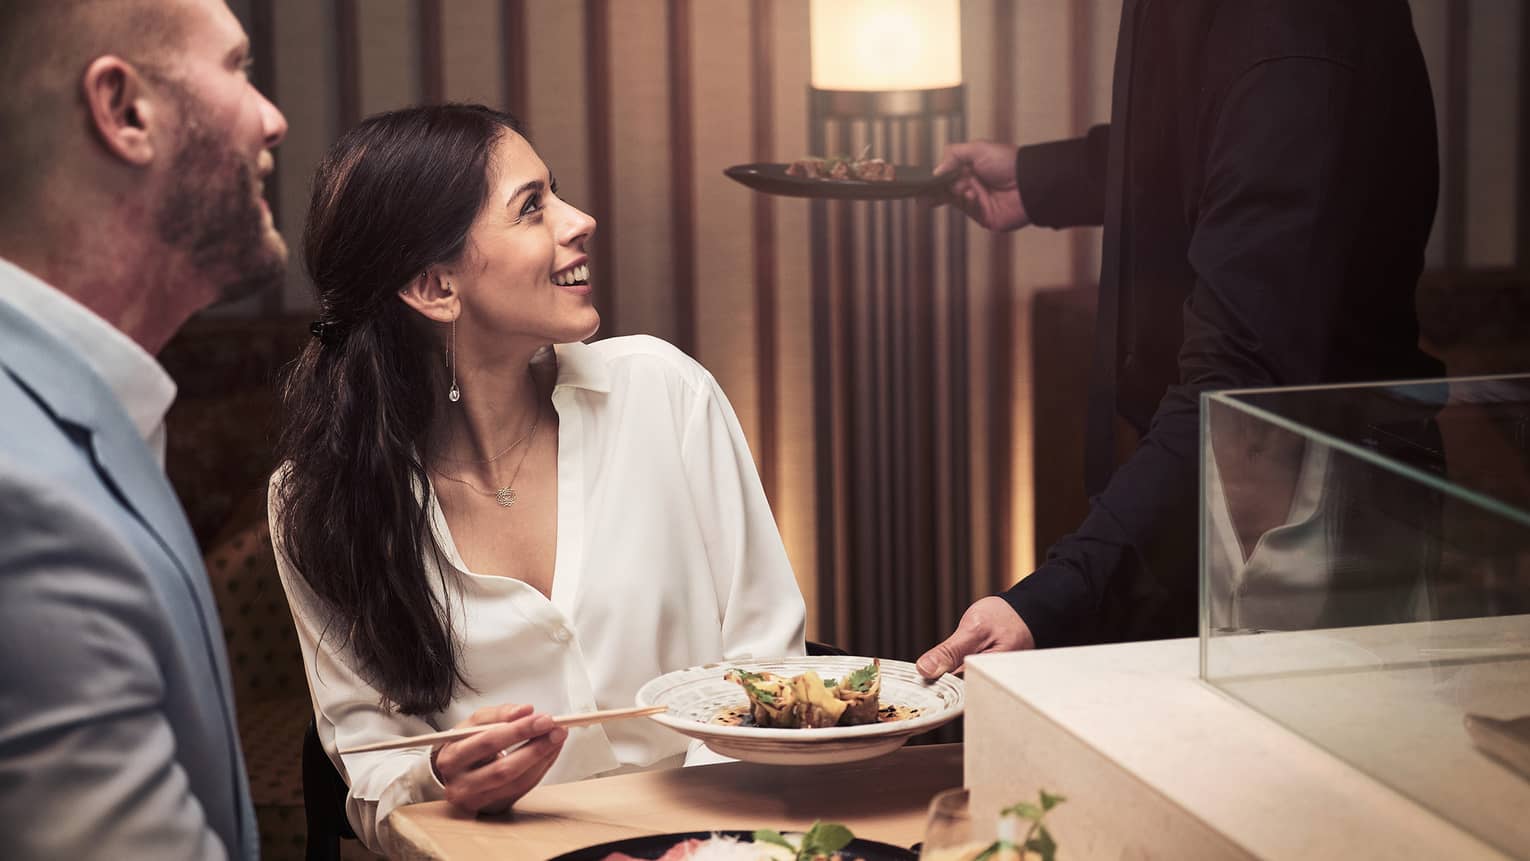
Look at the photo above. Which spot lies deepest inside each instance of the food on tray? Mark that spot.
(807, 701)
(843, 167)
(822, 842)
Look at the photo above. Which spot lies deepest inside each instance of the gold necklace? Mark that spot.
(502, 452)
(506, 495)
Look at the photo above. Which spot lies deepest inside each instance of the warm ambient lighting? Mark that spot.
(886, 44)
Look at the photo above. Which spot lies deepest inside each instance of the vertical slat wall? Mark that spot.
(637, 105)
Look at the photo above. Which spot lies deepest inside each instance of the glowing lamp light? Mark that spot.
(885, 45)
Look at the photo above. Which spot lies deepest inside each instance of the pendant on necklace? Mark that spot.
(505, 496)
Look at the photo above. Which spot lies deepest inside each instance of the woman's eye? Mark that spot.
(533, 205)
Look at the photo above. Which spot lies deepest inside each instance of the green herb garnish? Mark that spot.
(763, 696)
(824, 838)
(860, 680)
(1037, 839)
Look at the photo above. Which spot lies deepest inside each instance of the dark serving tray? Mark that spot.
(771, 178)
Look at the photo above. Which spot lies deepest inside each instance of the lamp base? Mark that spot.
(885, 104)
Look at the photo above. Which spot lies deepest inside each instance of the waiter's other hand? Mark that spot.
(989, 625)
(487, 773)
(985, 188)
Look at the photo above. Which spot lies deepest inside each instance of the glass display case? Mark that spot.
(1365, 582)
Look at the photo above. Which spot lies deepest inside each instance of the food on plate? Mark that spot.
(842, 167)
(772, 701)
(807, 701)
(859, 692)
(816, 704)
(822, 842)
(970, 851)
(715, 848)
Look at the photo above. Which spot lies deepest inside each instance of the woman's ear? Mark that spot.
(121, 111)
(431, 293)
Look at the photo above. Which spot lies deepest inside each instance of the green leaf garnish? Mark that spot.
(1024, 810)
(1037, 839)
(763, 696)
(824, 838)
(860, 680)
(769, 835)
(1042, 844)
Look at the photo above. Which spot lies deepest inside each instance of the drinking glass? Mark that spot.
(949, 834)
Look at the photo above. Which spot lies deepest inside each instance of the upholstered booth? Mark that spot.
(219, 455)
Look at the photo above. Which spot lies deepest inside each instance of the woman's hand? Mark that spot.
(481, 776)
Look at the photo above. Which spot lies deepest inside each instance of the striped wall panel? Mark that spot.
(306, 66)
(1492, 117)
(471, 51)
(792, 476)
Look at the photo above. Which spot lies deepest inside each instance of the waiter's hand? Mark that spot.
(986, 188)
(488, 772)
(989, 625)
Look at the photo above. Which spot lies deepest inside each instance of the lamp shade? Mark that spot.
(885, 44)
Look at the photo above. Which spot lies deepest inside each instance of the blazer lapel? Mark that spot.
(125, 460)
(76, 395)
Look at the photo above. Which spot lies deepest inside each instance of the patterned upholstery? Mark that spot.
(272, 735)
(269, 688)
(262, 646)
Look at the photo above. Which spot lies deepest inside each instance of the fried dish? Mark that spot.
(842, 167)
(807, 701)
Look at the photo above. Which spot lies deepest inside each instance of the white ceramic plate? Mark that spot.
(696, 695)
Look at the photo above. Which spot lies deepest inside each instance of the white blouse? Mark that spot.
(667, 557)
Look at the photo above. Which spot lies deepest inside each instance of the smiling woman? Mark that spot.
(480, 519)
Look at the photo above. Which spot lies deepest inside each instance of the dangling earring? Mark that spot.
(453, 394)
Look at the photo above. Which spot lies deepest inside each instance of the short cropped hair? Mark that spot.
(45, 47)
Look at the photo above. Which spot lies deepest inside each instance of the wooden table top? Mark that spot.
(880, 799)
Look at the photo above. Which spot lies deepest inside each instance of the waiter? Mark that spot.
(1267, 183)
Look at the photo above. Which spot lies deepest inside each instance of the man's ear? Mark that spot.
(431, 293)
(120, 110)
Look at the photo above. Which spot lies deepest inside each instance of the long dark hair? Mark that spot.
(393, 196)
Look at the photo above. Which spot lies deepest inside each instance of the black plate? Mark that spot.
(911, 181)
(655, 845)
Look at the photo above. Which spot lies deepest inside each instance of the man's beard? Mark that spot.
(211, 212)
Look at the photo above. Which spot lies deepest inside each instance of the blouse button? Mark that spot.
(562, 635)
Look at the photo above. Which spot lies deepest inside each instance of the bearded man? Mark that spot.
(132, 152)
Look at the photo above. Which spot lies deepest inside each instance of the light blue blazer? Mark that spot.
(117, 730)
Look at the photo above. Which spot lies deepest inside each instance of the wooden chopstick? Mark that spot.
(434, 738)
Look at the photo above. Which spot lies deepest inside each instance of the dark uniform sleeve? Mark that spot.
(1280, 207)
(1062, 183)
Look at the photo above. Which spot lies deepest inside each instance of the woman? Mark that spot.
(466, 519)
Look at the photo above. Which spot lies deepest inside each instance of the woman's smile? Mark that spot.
(575, 277)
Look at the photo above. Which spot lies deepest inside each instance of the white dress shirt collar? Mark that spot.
(581, 367)
(135, 377)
